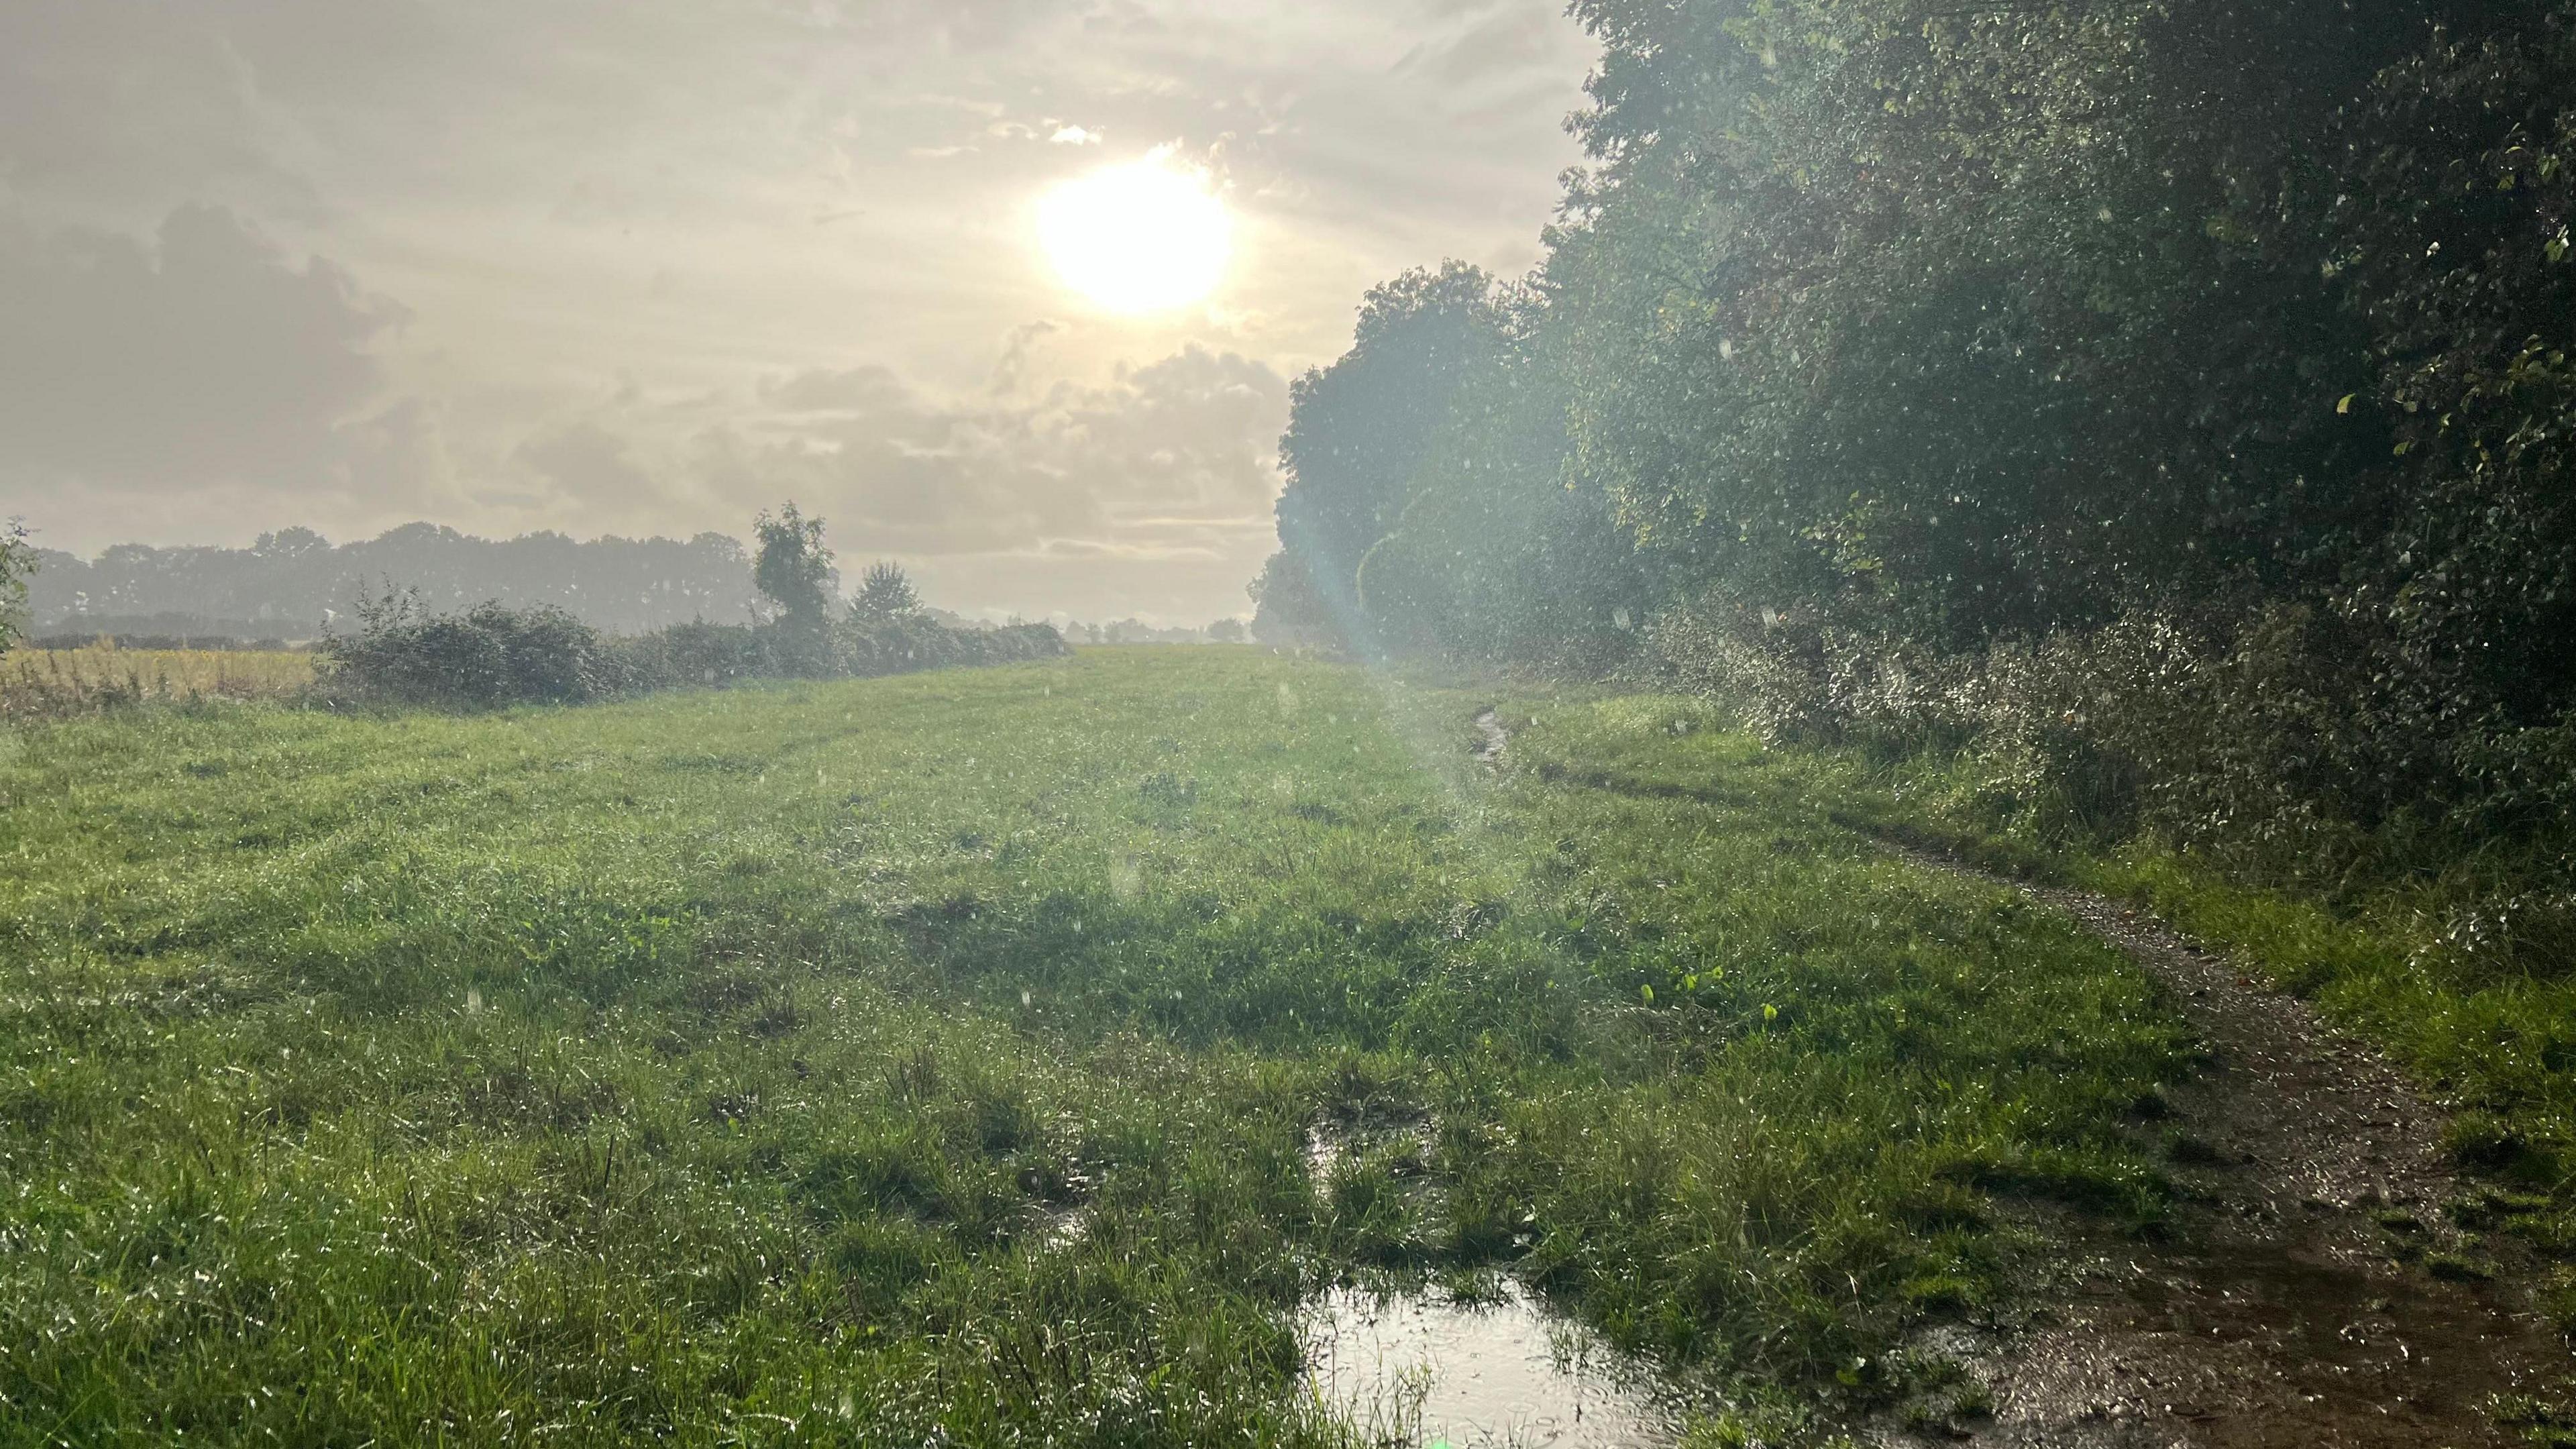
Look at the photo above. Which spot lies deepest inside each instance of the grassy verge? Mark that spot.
(938, 1059)
(2495, 1044)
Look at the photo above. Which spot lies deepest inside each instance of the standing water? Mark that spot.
(1429, 1369)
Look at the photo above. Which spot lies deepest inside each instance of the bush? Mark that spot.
(488, 656)
(2291, 740)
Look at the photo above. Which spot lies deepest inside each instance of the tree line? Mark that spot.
(2168, 398)
(293, 581)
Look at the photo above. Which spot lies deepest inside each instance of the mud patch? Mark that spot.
(1489, 748)
(1431, 1368)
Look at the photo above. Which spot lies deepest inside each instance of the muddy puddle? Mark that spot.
(1427, 1368)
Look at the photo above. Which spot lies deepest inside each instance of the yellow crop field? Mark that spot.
(52, 681)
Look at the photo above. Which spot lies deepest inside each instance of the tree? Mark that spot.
(1359, 429)
(1497, 555)
(17, 560)
(1226, 631)
(1287, 608)
(886, 594)
(794, 570)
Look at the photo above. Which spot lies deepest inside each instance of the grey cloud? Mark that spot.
(107, 103)
(586, 461)
(1181, 445)
(870, 391)
(1012, 371)
(1512, 43)
(204, 355)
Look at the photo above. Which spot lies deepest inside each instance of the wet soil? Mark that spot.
(2313, 1290)
(1489, 749)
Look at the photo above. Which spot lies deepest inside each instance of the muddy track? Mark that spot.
(2283, 1309)
(2314, 1289)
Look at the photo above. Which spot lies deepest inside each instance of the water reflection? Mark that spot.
(1430, 1369)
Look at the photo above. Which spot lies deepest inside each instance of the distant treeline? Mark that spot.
(289, 583)
(1137, 631)
(406, 650)
(2169, 403)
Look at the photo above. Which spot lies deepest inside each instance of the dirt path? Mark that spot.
(2279, 1314)
(2317, 1290)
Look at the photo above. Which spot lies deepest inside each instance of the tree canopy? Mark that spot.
(1949, 327)
(793, 569)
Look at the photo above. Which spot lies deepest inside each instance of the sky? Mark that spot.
(647, 266)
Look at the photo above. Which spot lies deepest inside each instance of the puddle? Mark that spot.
(1426, 1369)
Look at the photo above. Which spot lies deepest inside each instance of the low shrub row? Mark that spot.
(493, 655)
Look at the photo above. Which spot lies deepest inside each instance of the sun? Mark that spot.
(1143, 237)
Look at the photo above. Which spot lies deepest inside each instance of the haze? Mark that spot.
(645, 268)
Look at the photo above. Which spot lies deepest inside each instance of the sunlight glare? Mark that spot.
(1146, 236)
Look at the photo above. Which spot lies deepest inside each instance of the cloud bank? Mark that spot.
(646, 266)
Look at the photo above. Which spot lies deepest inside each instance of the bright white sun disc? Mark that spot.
(1143, 237)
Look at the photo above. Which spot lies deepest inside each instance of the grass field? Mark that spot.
(42, 682)
(936, 1060)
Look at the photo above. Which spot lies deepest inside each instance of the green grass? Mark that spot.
(934, 1059)
(2488, 1034)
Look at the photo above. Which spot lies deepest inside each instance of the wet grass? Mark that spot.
(941, 1059)
(2486, 1028)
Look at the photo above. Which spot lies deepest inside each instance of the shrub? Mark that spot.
(490, 655)
(2292, 738)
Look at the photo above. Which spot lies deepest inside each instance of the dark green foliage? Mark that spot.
(2451, 240)
(885, 595)
(793, 569)
(1288, 610)
(487, 656)
(2167, 405)
(491, 656)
